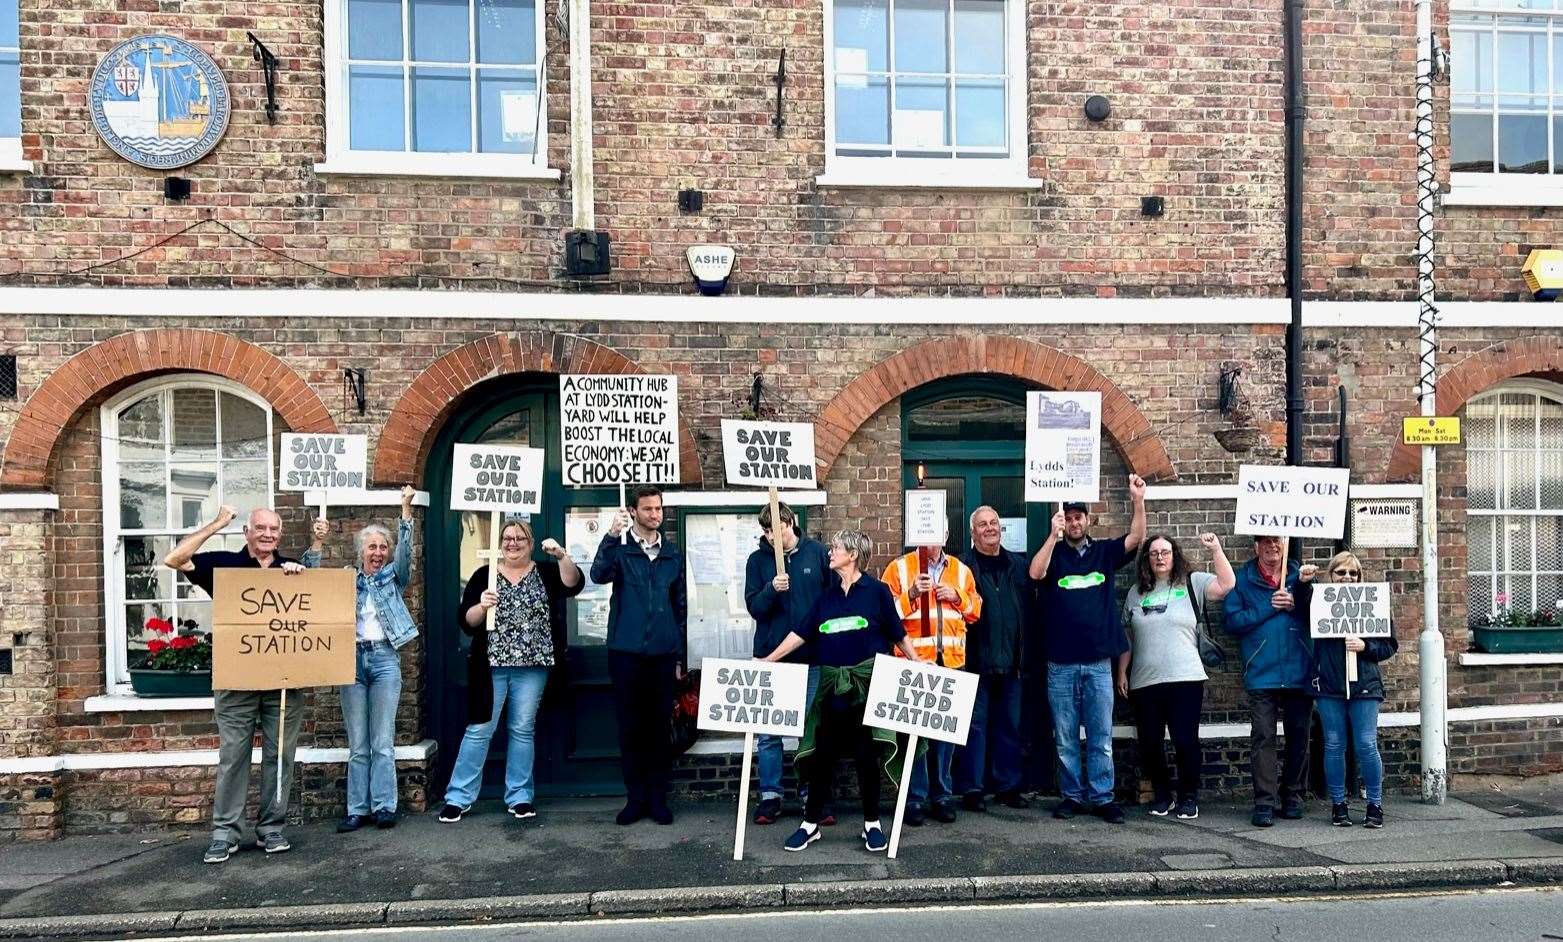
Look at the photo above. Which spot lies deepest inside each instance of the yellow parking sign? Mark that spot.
(1424, 430)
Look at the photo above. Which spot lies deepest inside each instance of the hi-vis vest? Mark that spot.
(947, 621)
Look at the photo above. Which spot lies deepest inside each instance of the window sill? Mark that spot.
(481, 166)
(8, 165)
(1505, 193)
(1478, 659)
(130, 703)
(889, 181)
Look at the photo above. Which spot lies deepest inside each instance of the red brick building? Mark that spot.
(933, 226)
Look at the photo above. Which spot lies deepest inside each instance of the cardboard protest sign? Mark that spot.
(752, 696)
(496, 478)
(618, 429)
(926, 522)
(1063, 446)
(1350, 610)
(920, 699)
(273, 631)
(323, 462)
(1292, 501)
(768, 454)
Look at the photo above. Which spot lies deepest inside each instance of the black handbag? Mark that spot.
(1210, 653)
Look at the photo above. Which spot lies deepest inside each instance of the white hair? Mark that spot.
(361, 539)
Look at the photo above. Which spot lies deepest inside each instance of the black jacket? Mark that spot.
(994, 649)
(480, 682)
(649, 612)
(776, 614)
(1329, 660)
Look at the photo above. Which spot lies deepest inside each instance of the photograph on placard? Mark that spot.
(1063, 446)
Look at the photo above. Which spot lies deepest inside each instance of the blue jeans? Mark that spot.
(934, 765)
(1082, 695)
(1361, 715)
(769, 750)
(523, 687)
(369, 713)
(995, 734)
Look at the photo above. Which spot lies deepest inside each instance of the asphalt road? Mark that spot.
(1486, 915)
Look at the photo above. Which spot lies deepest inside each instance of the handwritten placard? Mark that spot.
(920, 699)
(273, 631)
(1280, 500)
(323, 462)
(1063, 446)
(768, 454)
(618, 429)
(925, 520)
(496, 477)
(1350, 610)
(738, 696)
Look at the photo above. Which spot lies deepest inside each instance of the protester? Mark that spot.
(928, 577)
(995, 651)
(647, 623)
(369, 703)
(239, 713)
(1084, 637)
(854, 620)
(1262, 613)
(1359, 712)
(510, 664)
(777, 601)
(1166, 682)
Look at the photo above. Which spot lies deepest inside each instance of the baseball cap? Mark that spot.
(1079, 505)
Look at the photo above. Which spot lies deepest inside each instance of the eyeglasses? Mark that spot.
(1162, 552)
(1347, 572)
(516, 539)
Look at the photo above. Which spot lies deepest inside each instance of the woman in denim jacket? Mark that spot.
(369, 704)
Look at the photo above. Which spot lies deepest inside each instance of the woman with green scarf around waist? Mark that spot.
(850, 624)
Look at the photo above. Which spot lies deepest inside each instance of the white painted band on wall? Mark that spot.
(95, 761)
(29, 500)
(1160, 492)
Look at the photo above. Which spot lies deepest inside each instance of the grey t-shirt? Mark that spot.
(1162, 628)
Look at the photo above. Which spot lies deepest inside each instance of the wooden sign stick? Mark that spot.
(282, 738)
(493, 555)
(625, 536)
(743, 795)
(900, 797)
(1351, 671)
(776, 537)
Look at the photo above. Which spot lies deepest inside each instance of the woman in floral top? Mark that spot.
(510, 662)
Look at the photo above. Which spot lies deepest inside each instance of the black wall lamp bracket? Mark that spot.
(269, 64)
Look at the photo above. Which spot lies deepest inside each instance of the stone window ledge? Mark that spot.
(130, 703)
(1478, 659)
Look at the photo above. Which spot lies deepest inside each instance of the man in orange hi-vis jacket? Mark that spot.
(946, 586)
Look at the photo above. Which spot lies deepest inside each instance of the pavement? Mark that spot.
(573, 861)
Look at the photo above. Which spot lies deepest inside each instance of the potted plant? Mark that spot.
(178, 664)
(1510, 631)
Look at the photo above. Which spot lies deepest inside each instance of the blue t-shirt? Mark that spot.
(1080, 619)
(847, 628)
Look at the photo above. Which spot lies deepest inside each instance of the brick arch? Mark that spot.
(431, 399)
(50, 409)
(1526, 356)
(1128, 428)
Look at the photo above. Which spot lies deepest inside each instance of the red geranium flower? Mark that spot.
(160, 625)
(184, 641)
(157, 646)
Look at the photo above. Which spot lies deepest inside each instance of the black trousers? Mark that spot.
(841, 733)
(1159, 708)
(1294, 709)
(643, 687)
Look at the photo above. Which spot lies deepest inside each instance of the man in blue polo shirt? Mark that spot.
(1083, 639)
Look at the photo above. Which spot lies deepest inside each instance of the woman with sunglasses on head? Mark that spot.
(510, 662)
(1162, 674)
(1359, 713)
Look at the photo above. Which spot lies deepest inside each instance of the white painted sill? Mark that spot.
(130, 703)
(854, 179)
(12, 162)
(1478, 659)
(436, 165)
(1522, 190)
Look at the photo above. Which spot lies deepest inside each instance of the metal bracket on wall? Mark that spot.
(781, 79)
(353, 381)
(268, 63)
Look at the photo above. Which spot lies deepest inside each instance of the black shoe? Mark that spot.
(1374, 818)
(767, 811)
(1187, 809)
(450, 814)
(1340, 816)
(634, 810)
(974, 801)
(659, 812)
(1109, 812)
(1161, 806)
(1067, 809)
(1264, 816)
(385, 819)
(1291, 808)
(523, 810)
(1013, 800)
(944, 812)
(914, 816)
(350, 824)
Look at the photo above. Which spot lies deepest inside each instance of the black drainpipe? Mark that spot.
(1295, 115)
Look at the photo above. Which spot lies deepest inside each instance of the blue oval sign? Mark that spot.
(159, 102)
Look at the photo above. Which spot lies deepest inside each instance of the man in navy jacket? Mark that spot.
(1272, 632)
(647, 622)
(777, 602)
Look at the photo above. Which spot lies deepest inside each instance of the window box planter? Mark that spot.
(1518, 639)
(153, 683)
